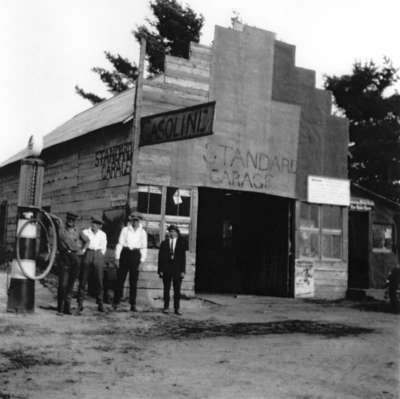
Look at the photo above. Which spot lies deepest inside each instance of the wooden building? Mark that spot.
(262, 201)
(374, 239)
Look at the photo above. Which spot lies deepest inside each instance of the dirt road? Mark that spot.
(222, 347)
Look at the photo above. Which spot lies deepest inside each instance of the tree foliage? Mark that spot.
(170, 32)
(368, 99)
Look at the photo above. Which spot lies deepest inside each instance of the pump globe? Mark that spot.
(35, 145)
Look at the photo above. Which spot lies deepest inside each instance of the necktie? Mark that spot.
(172, 248)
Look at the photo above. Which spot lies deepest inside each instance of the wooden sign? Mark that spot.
(304, 279)
(181, 124)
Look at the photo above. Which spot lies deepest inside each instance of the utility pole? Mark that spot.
(132, 202)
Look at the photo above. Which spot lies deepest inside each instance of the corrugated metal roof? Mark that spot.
(107, 113)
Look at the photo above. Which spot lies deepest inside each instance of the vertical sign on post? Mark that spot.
(133, 189)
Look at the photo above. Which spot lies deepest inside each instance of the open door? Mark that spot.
(243, 243)
(358, 249)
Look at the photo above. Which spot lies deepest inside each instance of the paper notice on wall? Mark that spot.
(177, 197)
(304, 279)
(326, 190)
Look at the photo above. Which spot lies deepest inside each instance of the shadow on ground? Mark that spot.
(193, 329)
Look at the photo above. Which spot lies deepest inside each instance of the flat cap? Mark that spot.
(134, 216)
(71, 216)
(96, 220)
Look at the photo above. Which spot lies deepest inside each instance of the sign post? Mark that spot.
(137, 107)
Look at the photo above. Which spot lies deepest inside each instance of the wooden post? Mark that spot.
(137, 107)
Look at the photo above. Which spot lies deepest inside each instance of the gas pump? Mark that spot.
(31, 221)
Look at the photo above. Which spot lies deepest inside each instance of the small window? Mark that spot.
(309, 215)
(149, 200)
(308, 244)
(331, 238)
(332, 246)
(331, 217)
(308, 237)
(178, 202)
(382, 237)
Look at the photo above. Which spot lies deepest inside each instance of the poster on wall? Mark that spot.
(304, 279)
(327, 190)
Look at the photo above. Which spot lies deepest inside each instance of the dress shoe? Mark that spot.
(133, 308)
(100, 307)
(165, 310)
(177, 312)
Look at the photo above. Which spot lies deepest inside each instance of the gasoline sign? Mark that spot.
(181, 124)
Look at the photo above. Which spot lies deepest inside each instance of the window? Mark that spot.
(382, 237)
(177, 204)
(331, 232)
(308, 237)
(149, 200)
(320, 232)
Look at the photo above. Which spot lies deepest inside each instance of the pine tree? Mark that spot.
(368, 99)
(171, 32)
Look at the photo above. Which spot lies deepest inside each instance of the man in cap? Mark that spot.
(171, 266)
(93, 259)
(129, 252)
(69, 245)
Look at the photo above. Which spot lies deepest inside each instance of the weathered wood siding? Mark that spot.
(322, 151)
(88, 175)
(322, 138)
(272, 129)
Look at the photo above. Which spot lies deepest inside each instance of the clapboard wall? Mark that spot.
(88, 175)
(272, 129)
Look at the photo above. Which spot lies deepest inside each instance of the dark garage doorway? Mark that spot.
(358, 249)
(243, 243)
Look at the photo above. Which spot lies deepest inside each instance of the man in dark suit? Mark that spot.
(172, 265)
(69, 245)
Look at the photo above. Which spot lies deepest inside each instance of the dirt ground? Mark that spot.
(222, 347)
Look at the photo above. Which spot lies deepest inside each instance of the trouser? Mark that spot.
(176, 280)
(92, 261)
(128, 262)
(67, 275)
(109, 283)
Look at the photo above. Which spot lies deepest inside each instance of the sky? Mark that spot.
(49, 46)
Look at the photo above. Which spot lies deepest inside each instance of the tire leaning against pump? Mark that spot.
(53, 250)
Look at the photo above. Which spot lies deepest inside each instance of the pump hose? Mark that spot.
(53, 251)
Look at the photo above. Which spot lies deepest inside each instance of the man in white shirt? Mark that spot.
(94, 250)
(129, 252)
